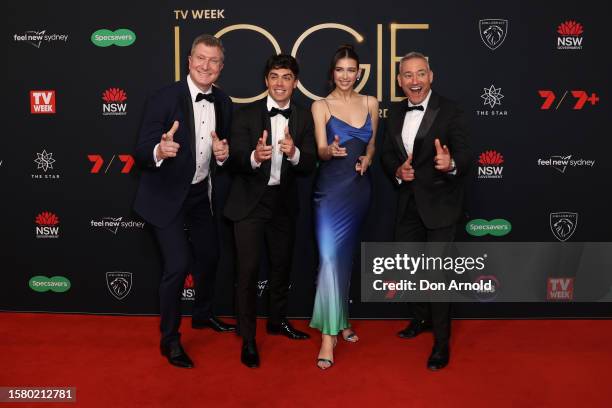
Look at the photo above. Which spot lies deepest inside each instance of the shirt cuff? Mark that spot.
(254, 163)
(399, 180)
(296, 157)
(221, 163)
(157, 162)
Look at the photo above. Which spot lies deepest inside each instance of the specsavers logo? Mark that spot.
(122, 37)
(497, 227)
(55, 284)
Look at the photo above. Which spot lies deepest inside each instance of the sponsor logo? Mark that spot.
(114, 105)
(122, 37)
(47, 225)
(492, 97)
(188, 288)
(42, 102)
(38, 38)
(201, 14)
(119, 284)
(54, 284)
(493, 32)
(560, 163)
(44, 161)
(497, 227)
(580, 98)
(570, 35)
(490, 165)
(487, 294)
(560, 289)
(114, 224)
(98, 161)
(563, 224)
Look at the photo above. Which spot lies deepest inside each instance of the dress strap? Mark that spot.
(325, 100)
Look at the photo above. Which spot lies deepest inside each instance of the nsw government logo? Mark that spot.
(490, 165)
(563, 224)
(114, 102)
(119, 284)
(570, 35)
(188, 288)
(47, 225)
(493, 32)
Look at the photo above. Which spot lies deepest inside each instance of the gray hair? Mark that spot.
(210, 41)
(414, 54)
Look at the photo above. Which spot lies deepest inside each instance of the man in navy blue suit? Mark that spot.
(181, 145)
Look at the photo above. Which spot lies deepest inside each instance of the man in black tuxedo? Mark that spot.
(426, 153)
(272, 141)
(180, 146)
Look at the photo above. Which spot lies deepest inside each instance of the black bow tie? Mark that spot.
(414, 107)
(275, 111)
(209, 97)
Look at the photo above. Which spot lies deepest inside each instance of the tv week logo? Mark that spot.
(114, 102)
(98, 162)
(570, 35)
(560, 289)
(42, 102)
(47, 225)
(490, 165)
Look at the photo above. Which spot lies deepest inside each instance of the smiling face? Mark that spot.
(415, 79)
(205, 65)
(345, 74)
(281, 82)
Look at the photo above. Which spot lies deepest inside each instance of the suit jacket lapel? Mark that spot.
(265, 125)
(189, 117)
(428, 119)
(218, 114)
(396, 130)
(293, 129)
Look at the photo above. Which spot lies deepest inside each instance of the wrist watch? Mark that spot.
(452, 167)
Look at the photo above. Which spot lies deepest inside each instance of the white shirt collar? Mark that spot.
(271, 103)
(194, 90)
(423, 104)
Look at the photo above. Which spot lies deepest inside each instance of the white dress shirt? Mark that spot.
(412, 121)
(278, 124)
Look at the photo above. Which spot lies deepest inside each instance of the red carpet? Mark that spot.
(115, 362)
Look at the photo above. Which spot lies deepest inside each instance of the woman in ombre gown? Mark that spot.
(345, 129)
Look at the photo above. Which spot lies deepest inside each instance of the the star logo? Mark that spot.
(44, 160)
(492, 96)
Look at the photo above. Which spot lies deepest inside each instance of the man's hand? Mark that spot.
(442, 160)
(167, 147)
(286, 144)
(262, 151)
(220, 147)
(405, 172)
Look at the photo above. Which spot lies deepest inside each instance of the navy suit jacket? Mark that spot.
(162, 190)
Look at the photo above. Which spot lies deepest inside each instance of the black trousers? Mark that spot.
(188, 244)
(270, 222)
(410, 228)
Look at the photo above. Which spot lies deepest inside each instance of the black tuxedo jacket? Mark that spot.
(249, 184)
(438, 195)
(162, 190)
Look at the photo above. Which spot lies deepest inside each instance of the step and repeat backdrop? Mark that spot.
(532, 78)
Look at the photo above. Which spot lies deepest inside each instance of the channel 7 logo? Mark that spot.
(579, 99)
(98, 161)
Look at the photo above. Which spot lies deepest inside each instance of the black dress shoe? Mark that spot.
(439, 357)
(249, 355)
(284, 328)
(415, 328)
(213, 323)
(176, 355)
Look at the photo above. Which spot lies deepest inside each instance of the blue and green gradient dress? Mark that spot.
(341, 200)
